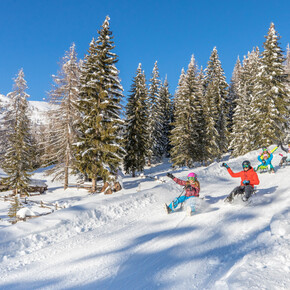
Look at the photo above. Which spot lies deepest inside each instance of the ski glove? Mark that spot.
(225, 165)
(246, 182)
(170, 175)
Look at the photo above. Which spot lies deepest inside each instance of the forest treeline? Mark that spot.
(93, 132)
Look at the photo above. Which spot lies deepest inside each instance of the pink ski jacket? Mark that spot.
(191, 189)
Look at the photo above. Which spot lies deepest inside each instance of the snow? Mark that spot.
(25, 212)
(38, 110)
(126, 241)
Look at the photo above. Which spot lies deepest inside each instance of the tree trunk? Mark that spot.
(66, 172)
(94, 189)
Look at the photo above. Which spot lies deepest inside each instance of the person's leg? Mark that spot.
(271, 167)
(235, 191)
(248, 192)
(283, 159)
(177, 201)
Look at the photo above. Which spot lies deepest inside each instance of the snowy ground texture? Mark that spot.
(126, 241)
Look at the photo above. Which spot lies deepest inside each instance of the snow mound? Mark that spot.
(25, 212)
(280, 225)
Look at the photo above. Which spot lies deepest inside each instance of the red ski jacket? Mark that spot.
(250, 175)
(190, 189)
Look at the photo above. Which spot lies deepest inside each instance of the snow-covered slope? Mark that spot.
(126, 241)
(37, 110)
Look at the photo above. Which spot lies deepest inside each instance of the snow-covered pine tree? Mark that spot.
(234, 93)
(2, 131)
(242, 138)
(18, 157)
(201, 117)
(154, 118)
(98, 148)
(185, 136)
(166, 109)
(136, 132)
(216, 109)
(14, 208)
(287, 71)
(63, 117)
(271, 96)
(177, 100)
(287, 65)
(178, 145)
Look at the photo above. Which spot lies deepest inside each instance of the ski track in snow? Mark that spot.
(126, 241)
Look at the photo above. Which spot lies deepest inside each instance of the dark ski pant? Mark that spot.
(245, 189)
(284, 160)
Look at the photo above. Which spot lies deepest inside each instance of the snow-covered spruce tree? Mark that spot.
(15, 206)
(177, 100)
(234, 93)
(271, 96)
(242, 138)
(216, 108)
(2, 131)
(154, 118)
(185, 135)
(202, 123)
(166, 109)
(136, 133)
(63, 117)
(98, 147)
(18, 156)
(287, 71)
(178, 158)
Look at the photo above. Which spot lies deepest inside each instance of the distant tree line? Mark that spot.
(92, 134)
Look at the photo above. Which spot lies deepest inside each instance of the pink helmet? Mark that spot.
(191, 174)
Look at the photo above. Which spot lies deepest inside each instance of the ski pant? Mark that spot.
(284, 159)
(178, 200)
(245, 189)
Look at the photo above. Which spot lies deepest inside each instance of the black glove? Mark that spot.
(225, 165)
(170, 175)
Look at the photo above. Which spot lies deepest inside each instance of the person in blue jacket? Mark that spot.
(265, 158)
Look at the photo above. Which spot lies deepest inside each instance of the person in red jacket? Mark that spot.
(249, 178)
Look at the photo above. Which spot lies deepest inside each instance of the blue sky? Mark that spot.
(34, 35)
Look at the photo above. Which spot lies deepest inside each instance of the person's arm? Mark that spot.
(179, 181)
(283, 148)
(232, 174)
(270, 158)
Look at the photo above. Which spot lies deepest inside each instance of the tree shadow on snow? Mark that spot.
(142, 260)
(150, 267)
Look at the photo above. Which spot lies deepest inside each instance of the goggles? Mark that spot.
(246, 166)
(191, 178)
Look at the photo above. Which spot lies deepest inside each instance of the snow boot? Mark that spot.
(229, 198)
(188, 210)
(244, 198)
(167, 208)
